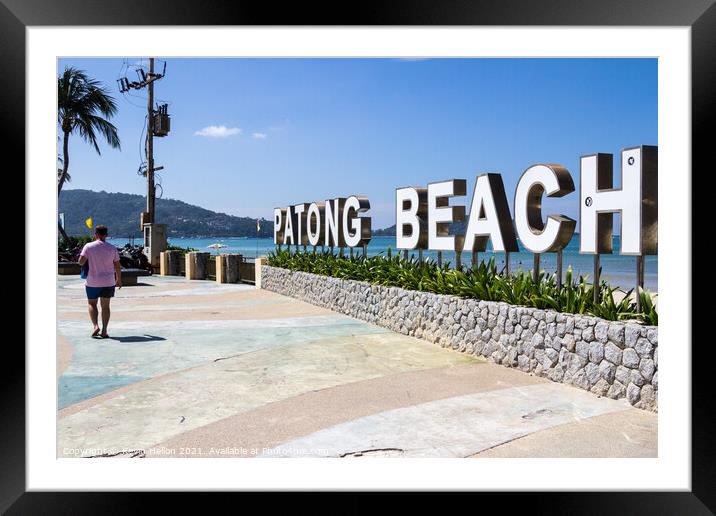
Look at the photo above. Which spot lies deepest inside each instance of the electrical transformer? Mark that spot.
(161, 124)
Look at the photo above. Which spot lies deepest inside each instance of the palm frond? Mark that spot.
(84, 106)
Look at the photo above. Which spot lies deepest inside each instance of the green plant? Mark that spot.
(648, 308)
(483, 282)
(73, 242)
(183, 250)
(610, 309)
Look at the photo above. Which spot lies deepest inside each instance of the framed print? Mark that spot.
(411, 249)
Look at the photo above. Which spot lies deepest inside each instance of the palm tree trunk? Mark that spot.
(65, 162)
(63, 177)
(62, 232)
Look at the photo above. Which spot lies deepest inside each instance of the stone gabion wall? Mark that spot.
(614, 359)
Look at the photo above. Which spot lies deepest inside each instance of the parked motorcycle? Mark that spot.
(130, 256)
(69, 254)
(133, 257)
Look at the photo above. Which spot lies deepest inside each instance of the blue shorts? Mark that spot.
(95, 292)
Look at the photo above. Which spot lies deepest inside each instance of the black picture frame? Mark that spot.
(700, 15)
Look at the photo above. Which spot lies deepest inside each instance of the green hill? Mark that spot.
(120, 212)
(456, 228)
(389, 231)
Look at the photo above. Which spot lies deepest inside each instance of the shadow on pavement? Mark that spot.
(138, 338)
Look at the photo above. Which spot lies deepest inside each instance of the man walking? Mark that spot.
(103, 275)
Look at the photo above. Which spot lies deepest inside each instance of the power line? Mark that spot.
(124, 96)
(122, 70)
(141, 137)
(156, 123)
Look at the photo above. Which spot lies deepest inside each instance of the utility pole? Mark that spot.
(158, 123)
(150, 146)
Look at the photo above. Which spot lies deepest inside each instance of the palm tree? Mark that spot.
(83, 107)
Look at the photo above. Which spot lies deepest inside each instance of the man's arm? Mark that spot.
(82, 258)
(118, 274)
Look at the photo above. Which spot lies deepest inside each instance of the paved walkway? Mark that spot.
(197, 369)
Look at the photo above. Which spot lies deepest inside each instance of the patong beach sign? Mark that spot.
(423, 214)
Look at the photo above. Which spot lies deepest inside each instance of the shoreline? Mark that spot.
(617, 270)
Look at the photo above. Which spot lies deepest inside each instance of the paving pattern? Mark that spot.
(197, 369)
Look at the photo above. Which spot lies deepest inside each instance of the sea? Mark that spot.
(617, 270)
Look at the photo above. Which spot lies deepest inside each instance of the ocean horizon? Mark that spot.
(617, 270)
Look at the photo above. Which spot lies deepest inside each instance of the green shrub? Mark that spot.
(183, 250)
(73, 242)
(483, 282)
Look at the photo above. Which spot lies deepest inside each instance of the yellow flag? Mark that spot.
(88, 222)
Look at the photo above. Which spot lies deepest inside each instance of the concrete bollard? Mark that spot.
(228, 268)
(197, 265)
(261, 260)
(170, 263)
(221, 268)
(163, 263)
(233, 268)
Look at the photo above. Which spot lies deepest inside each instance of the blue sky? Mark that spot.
(299, 130)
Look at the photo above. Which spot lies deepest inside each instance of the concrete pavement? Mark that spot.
(197, 369)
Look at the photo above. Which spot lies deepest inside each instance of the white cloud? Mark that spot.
(259, 136)
(218, 131)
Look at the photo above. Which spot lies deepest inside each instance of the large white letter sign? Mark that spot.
(356, 229)
(534, 233)
(441, 214)
(278, 216)
(490, 217)
(411, 211)
(300, 230)
(288, 226)
(636, 201)
(334, 215)
(314, 222)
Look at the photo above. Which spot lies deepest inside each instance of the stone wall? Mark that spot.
(614, 359)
